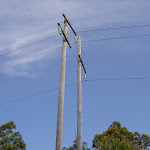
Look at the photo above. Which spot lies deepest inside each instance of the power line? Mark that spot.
(12, 62)
(113, 38)
(33, 95)
(113, 28)
(28, 45)
(113, 79)
(90, 80)
(118, 38)
(116, 28)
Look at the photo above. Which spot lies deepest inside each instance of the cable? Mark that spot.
(33, 95)
(28, 45)
(116, 28)
(105, 79)
(92, 80)
(117, 38)
(12, 62)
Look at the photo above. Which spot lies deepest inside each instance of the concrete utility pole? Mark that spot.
(59, 134)
(79, 97)
(79, 101)
(61, 91)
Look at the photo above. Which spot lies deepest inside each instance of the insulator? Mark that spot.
(85, 77)
(59, 30)
(76, 39)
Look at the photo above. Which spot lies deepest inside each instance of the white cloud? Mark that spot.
(23, 21)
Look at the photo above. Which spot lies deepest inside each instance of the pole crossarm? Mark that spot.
(69, 24)
(64, 35)
(82, 64)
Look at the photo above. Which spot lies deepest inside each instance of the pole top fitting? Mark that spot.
(79, 37)
(65, 16)
(85, 77)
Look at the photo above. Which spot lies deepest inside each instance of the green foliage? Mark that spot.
(141, 140)
(74, 147)
(10, 140)
(112, 143)
(118, 137)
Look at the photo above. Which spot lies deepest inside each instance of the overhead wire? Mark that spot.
(90, 80)
(105, 39)
(113, 79)
(118, 38)
(113, 28)
(116, 28)
(28, 45)
(35, 55)
(33, 95)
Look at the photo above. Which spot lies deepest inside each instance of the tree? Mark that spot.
(10, 140)
(118, 137)
(74, 147)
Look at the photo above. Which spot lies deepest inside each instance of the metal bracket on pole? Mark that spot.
(64, 35)
(69, 24)
(71, 27)
(83, 67)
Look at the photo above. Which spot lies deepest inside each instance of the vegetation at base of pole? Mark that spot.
(116, 137)
(74, 147)
(10, 140)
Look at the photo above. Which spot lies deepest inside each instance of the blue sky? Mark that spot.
(104, 101)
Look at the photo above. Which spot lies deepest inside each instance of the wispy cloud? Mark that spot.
(24, 22)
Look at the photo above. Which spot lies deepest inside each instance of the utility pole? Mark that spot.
(79, 101)
(59, 134)
(79, 97)
(61, 91)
